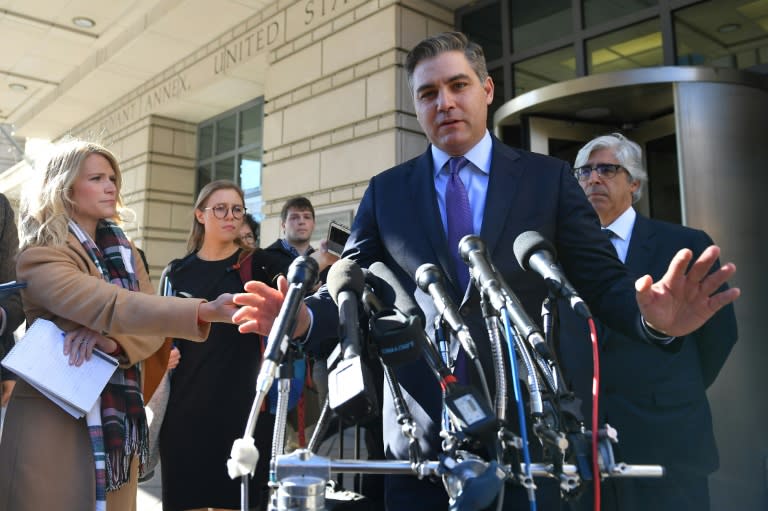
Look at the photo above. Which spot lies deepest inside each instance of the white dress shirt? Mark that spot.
(622, 232)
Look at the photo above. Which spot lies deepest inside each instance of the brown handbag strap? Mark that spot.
(245, 266)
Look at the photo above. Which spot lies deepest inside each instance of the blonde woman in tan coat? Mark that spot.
(84, 275)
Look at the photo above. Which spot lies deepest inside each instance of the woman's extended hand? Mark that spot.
(218, 311)
(79, 344)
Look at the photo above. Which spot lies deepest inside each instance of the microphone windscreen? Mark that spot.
(303, 270)
(528, 243)
(428, 274)
(393, 293)
(345, 275)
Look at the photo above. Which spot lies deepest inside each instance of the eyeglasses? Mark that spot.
(248, 237)
(604, 170)
(220, 211)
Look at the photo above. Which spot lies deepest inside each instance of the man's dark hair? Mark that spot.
(297, 203)
(441, 43)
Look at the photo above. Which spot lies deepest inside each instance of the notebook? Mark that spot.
(39, 359)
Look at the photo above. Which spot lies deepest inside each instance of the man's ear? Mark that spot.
(489, 88)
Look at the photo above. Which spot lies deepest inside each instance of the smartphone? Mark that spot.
(337, 237)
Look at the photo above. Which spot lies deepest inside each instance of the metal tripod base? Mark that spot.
(300, 481)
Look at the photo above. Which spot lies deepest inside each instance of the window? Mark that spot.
(602, 11)
(534, 23)
(483, 26)
(230, 147)
(553, 67)
(723, 33)
(630, 47)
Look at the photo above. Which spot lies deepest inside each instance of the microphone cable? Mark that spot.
(595, 409)
(520, 408)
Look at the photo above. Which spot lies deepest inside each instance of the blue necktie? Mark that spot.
(459, 219)
(458, 216)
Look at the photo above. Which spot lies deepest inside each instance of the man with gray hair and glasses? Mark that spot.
(655, 398)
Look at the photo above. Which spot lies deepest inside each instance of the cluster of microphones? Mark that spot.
(395, 323)
(378, 315)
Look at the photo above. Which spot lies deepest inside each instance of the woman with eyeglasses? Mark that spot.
(213, 386)
(84, 275)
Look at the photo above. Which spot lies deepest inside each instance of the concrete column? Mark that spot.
(157, 159)
(721, 130)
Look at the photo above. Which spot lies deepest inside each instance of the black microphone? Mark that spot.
(302, 276)
(350, 384)
(401, 315)
(430, 279)
(490, 282)
(345, 284)
(394, 332)
(393, 292)
(467, 410)
(472, 251)
(371, 302)
(534, 252)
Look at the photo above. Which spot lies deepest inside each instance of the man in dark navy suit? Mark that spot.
(655, 398)
(408, 215)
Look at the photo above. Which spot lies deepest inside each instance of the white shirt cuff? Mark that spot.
(655, 335)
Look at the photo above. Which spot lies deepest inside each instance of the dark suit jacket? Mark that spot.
(654, 397)
(398, 223)
(9, 245)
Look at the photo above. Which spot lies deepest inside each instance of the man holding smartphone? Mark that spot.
(297, 222)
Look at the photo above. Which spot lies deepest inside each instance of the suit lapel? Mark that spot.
(640, 246)
(421, 185)
(502, 193)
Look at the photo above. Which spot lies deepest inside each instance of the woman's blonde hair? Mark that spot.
(197, 233)
(47, 205)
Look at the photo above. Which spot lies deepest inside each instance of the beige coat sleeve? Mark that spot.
(63, 285)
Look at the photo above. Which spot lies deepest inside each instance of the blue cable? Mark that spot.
(519, 402)
(442, 344)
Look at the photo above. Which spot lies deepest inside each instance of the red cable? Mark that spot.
(595, 409)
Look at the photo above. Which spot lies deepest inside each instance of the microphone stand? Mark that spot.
(326, 413)
(404, 418)
(491, 318)
(322, 426)
(535, 397)
(408, 427)
(302, 275)
(285, 374)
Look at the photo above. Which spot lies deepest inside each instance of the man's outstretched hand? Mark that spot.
(260, 305)
(680, 303)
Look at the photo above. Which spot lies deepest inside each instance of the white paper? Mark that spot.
(39, 359)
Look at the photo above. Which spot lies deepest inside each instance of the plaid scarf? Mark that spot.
(118, 425)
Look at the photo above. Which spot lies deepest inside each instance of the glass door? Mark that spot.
(661, 195)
